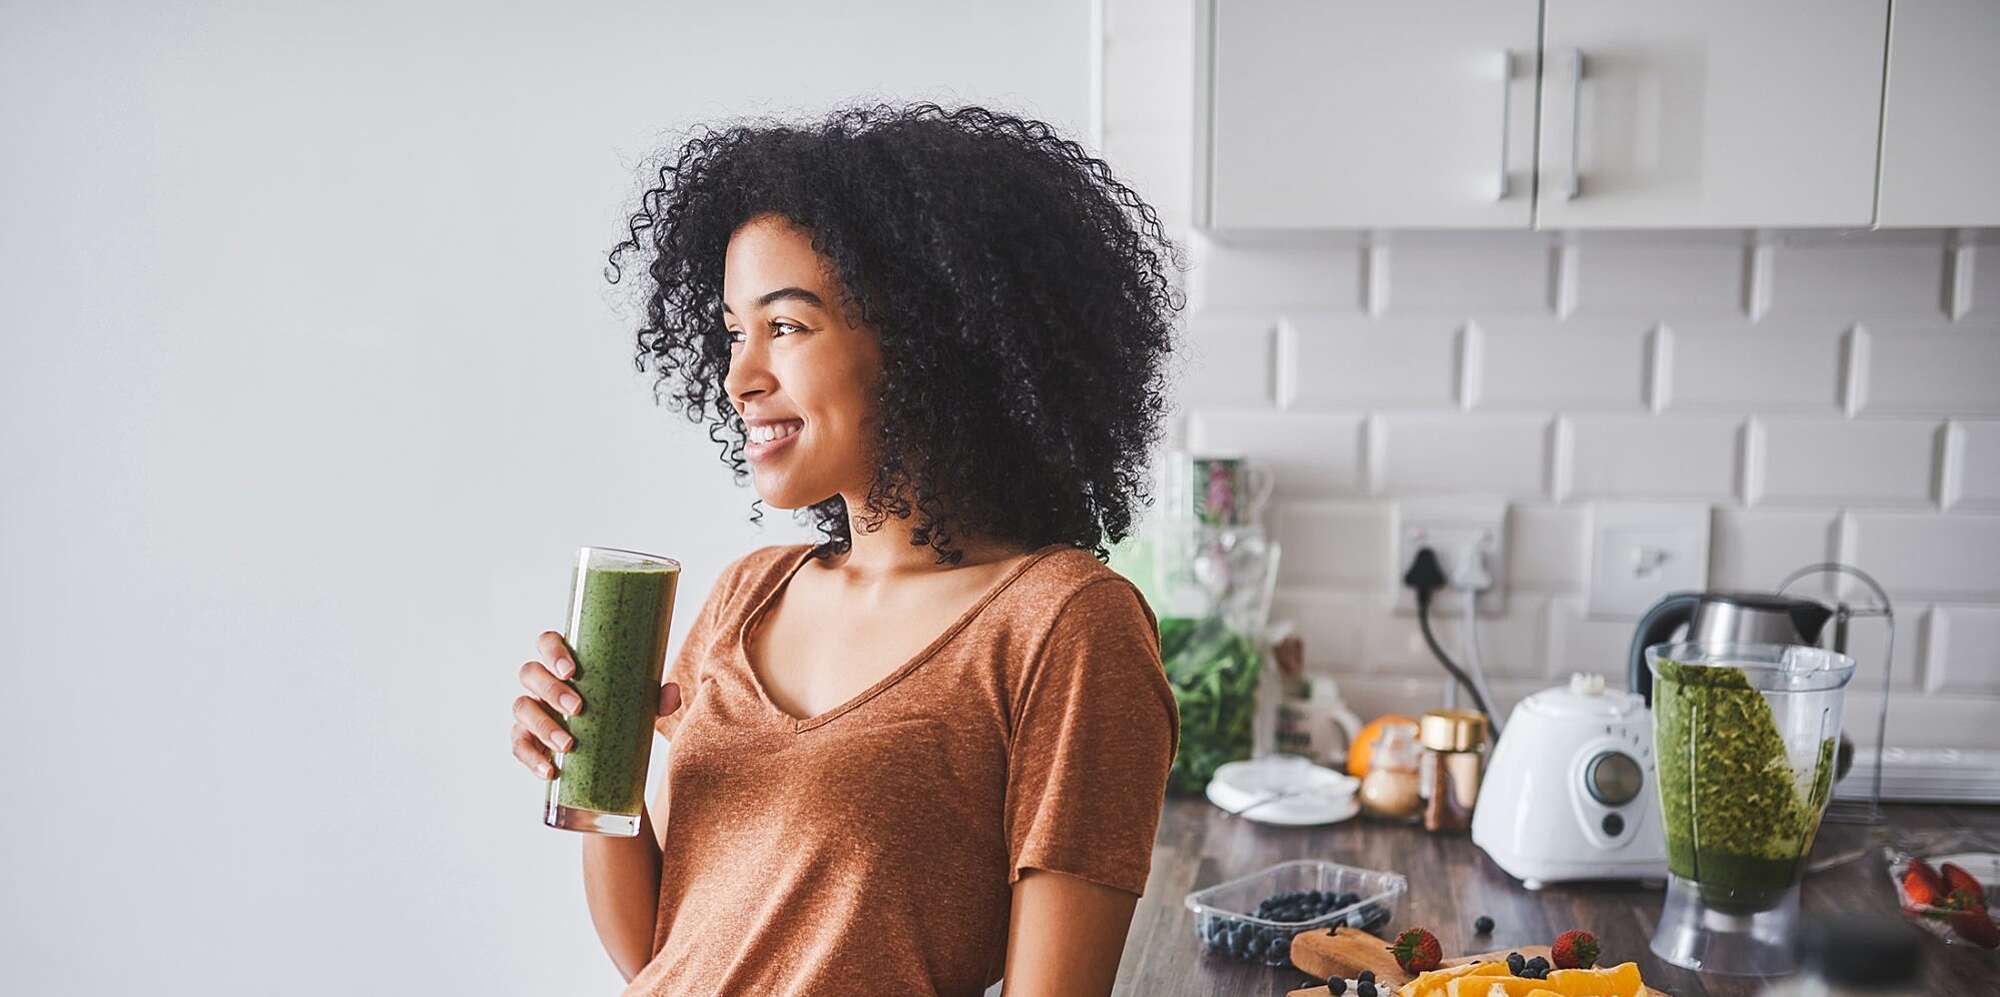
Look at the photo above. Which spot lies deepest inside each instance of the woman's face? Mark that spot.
(795, 366)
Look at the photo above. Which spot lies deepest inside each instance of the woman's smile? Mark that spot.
(766, 441)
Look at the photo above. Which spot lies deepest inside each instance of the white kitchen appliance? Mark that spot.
(1569, 793)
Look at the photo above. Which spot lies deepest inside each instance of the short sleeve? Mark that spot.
(684, 668)
(1095, 732)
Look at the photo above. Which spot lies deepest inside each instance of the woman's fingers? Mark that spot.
(529, 712)
(531, 753)
(555, 651)
(670, 698)
(536, 678)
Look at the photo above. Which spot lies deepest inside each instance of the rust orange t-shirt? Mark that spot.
(871, 849)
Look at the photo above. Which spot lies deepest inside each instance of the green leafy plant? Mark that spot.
(1213, 671)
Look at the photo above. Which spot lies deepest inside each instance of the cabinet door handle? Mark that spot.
(1506, 109)
(1575, 186)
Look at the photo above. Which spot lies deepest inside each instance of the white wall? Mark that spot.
(1826, 395)
(311, 382)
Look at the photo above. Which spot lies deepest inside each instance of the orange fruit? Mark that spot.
(1471, 985)
(1363, 745)
(1621, 980)
(1435, 980)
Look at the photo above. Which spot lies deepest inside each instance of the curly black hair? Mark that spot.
(1019, 291)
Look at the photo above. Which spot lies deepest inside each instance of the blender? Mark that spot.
(1744, 737)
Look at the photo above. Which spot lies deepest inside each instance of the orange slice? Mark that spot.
(1491, 986)
(1435, 979)
(1621, 980)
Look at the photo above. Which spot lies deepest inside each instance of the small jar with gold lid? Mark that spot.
(1449, 770)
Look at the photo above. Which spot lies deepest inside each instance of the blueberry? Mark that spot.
(1364, 989)
(1336, 985)
(1482, 925)
(1515, 963)
(1366, 976)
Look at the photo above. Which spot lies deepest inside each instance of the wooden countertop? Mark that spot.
(1452, 882)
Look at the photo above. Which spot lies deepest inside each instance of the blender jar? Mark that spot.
(1744, 737)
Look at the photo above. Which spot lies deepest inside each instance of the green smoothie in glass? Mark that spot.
(621, 605)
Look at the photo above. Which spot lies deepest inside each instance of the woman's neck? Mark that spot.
(887, 554)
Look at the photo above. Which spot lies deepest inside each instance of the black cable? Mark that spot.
(1424, 624)
(1427, 576)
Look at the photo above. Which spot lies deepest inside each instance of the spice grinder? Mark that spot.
(1743, 737)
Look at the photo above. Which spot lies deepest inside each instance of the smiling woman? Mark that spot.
(929, 750)
(1019, 294)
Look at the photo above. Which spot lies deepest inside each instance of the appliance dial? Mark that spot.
(1613, 778)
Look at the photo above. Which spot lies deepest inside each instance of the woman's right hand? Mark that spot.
(537, 732)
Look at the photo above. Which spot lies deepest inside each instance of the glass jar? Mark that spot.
(1389, 790)
(1449, 770)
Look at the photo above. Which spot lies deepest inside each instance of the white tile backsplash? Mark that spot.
(1230, 361)
(1852, 462)
(1546, 547)
(1932, 371)
(1925, 555)
(1312, 455)
(1981, 273)
(1792, 380)
(1977, 452)
(1868, 637)
(1767, 367)
(1962, 651)
(1456, 272)
(1342, 545)
(1648, 456)
(1348, 362)
(1578, 643)
(1755, 549)
(1293, 275)
(1429, 454)
(1534, 364)
(1889, 274)
(1649, 281)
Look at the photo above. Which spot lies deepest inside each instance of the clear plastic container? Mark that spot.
(1228, 910)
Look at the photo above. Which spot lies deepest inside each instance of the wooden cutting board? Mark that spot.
(1348, 951)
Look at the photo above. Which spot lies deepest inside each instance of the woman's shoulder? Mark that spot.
(759, 565)
(1070, 580)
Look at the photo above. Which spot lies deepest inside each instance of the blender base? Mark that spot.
(1693, 936)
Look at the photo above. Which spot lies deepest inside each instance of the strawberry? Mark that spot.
(1417, 951)
(1574, 950)
(1922, 885)
(1976, 927)
(1957, 879)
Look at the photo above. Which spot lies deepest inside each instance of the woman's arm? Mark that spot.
(1064, 935)
(621, 882)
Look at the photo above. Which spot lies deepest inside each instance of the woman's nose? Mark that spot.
(749, 372)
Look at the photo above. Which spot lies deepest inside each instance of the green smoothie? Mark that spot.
(1737, 821)
(618, 635)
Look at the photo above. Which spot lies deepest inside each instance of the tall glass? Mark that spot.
(1744, 738)
(621, 603)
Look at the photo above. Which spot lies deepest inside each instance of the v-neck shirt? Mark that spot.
(796, 561)
(872, 848)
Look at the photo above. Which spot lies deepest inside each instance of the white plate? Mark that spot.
(1328, 796)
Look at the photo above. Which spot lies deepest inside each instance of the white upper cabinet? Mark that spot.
(1366, 113)
(1729, 113)
(1941, 119)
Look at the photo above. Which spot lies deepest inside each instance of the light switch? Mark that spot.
(1642, 552)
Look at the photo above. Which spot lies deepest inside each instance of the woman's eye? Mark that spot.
(736, 335)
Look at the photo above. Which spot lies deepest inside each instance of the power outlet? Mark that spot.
(1450, 527)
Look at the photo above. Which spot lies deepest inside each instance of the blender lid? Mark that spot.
(1585, 697)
